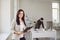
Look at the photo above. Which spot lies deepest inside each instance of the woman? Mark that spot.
(18, 26)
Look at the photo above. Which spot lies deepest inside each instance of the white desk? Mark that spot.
(40, 34)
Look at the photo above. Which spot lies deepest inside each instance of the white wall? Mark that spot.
(0, 15)
(12, 9)
(59, 11)
(5, 15)
(8, 8)
(36, 9)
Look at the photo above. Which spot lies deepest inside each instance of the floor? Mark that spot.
(3, 36)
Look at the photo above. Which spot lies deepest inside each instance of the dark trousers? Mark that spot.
(23, 38)
(40, 26)
(37, 39)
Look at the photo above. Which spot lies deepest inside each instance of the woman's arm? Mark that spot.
(13, 28)
(18, 33)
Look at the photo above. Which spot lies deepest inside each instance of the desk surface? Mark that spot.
(49, 33)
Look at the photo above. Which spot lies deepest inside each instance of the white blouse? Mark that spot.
(22, 27)
(17, 28)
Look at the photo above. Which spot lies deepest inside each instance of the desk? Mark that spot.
(42, 34)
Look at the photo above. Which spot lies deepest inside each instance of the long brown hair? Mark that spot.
(17, 17)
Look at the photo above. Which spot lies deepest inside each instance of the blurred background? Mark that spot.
(34, 10)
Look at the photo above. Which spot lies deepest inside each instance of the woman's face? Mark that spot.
(21, 14)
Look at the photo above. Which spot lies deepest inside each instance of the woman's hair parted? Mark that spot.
(17, 17)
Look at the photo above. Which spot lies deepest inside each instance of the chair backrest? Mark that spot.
(49, 24)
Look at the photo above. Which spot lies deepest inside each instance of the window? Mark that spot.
(55, 12)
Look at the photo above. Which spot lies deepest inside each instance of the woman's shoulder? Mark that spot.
(13, 20)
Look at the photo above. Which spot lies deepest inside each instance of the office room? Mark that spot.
(40, 19)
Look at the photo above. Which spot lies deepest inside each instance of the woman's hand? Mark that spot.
(19, 33)
(28, 30)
